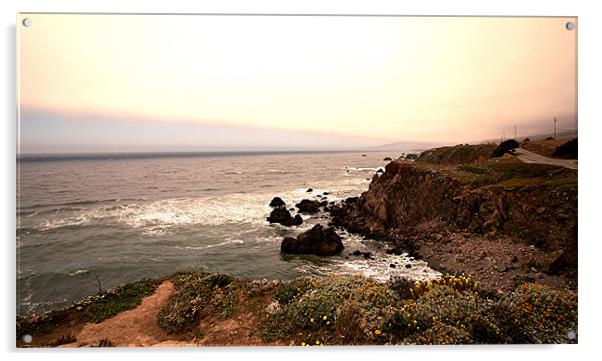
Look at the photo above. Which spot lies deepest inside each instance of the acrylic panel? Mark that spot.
(303, 180)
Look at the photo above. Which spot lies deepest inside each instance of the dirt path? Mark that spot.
(530, 157)
(134, 328)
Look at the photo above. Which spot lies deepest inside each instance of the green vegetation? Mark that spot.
(512, 173)
(94, 309)
(343, 309)
(537, 314)
(120, 299)
(504, 147)
(198, 295)
(545, 147)
(357, 310)
(449, 310)
(567, 150)
(459, 154)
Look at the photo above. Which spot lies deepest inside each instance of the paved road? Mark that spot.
(530, 157)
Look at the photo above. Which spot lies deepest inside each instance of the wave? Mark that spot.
(225, 243)
(163, 216)
(78, 272)
(78, 203)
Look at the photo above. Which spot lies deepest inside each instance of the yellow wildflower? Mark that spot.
(302, 343)
(324, 318)
(378, 332)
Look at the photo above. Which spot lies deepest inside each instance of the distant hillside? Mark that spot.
(457, 154)
(405, 146)
(546, 147)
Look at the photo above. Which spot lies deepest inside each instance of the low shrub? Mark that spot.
(198, 295)
(447, 305)
(535, 313)
(567, 150)
(103, 342)
(440, 334)
(291, 290)
(414, 289)
(64, 340)
(504, 147)
(358, 302)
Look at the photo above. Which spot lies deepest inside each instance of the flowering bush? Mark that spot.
(361, 304)
(535, 313)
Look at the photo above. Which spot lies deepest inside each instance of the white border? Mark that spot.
(590, 130)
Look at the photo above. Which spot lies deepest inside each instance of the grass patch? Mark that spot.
(459, 154)
(513, 174)
(94, 309)
(122, 298)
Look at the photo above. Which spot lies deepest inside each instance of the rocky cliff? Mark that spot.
(528, 204)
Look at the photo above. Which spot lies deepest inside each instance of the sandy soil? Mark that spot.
(136, 327)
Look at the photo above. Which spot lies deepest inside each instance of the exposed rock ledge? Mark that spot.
(416, 205)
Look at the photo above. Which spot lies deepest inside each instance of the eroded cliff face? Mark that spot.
(409, 198)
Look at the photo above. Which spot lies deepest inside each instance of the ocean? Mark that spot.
(125, 217)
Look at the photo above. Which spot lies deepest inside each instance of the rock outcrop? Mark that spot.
(277, 202)
(318, 240)
(409, 197)
(283, 216)
(310, 206)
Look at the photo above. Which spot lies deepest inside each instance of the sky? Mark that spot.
(98, 83)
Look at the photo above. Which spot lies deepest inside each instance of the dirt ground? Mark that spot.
(498, 264)
(136, 327)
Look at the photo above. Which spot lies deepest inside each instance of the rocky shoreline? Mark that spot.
(502, 233)
(504, 222)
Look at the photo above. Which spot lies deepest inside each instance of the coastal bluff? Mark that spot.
(424, 207)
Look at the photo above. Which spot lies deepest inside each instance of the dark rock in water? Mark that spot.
(363, 155)
(387, 159)
(308, 206)
(380, 170)
(291, 209)
(318, 240)
(392, 265)
(408, 265)
(283, 216)
(277, 202)
(367, 255)
(309, 190)
(326, 193)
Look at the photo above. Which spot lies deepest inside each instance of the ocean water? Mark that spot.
(127, 217)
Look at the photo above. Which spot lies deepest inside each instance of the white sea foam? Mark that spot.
(161, 216)
(79, 272)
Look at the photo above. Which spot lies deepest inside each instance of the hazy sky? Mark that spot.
(128, 82)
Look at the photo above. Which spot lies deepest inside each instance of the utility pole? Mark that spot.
(554, 127)
(515, 132)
